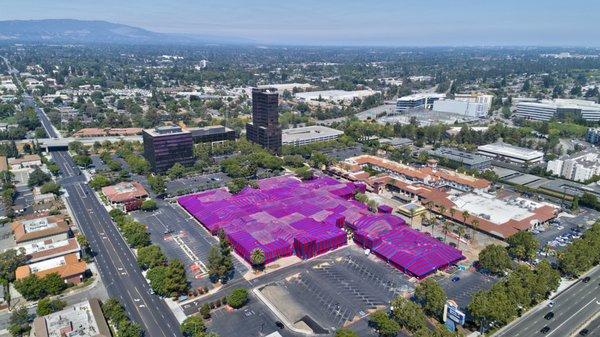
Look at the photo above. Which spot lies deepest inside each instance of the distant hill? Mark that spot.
(87, 32)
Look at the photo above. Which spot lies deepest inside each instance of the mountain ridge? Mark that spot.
(96, 31)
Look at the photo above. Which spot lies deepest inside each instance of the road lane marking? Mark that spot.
(578, 311)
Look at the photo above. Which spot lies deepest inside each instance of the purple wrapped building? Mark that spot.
(286, 216)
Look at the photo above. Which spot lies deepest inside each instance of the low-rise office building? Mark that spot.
(593, 136)
(54, 228)
(210, 134)
(127, 196)
(70, 268)
(579, 167)
(45, 250)
(84, 319)
(511, 153)
(463, 108)
(167, 145)
(462, 158)
(484, 99)
(546, 110)
(309, 134)
(27, 161)
(416, 101)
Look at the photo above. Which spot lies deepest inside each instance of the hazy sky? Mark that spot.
(343, 22)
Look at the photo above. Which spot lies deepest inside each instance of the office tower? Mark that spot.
(265, 129)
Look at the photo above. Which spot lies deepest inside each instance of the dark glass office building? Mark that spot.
(265, 129)
(166, 145)
(209, 134)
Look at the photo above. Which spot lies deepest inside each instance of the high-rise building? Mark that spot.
(265, 129)
(166, 145)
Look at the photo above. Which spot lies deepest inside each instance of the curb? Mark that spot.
(278, 313)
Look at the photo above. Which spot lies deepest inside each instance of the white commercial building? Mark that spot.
(335, 95)
(415, 101)
(580, 167)
(514, 154)
(309, 134)
(484, 99)
(464, 108)
(545, 110)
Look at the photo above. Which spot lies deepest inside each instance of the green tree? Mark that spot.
(238, 298)
(193, 326)
(343, 332)
(495, 259)
(46, 306)
(258, 258)
(169, 280)
(99, 181)
(205, 311)
(432, 297)
(408, 314)
(149, 205)
(10, 260)
(19, 322)
(523, 245)
(50, 187)
(136, 234)
(157, 183)
(150, 257)
(37, 178)
(304, 173)
(129, 329)
(176, 171)
(82, 160)
(385, 326)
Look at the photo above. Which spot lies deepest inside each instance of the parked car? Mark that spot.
(586, 279)
(584, 332)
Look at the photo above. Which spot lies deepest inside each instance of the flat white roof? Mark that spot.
(418, 96)
(508, 150)
(335, 95)
(307, 133)
(495, 210)
(562, 103)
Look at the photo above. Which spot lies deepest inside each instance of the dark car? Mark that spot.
(545, 330)
(584, 332)
(549, 315)
(586, 279)
(455, 279)
(279, 325)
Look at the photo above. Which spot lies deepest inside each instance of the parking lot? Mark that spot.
(196, 183)
(255, 319)
(338, 290)
(565, 229)
(463, 284)
(182, 238)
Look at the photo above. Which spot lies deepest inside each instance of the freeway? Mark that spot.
(572, 309)
(116, 263)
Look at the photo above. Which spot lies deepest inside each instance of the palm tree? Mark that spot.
(474, 225)
(461, 232)
(446, 228)
(465, 216)
(257, 257)
(452, 212)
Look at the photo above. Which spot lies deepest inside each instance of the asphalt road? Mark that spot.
(116, 263)
(572, 308)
